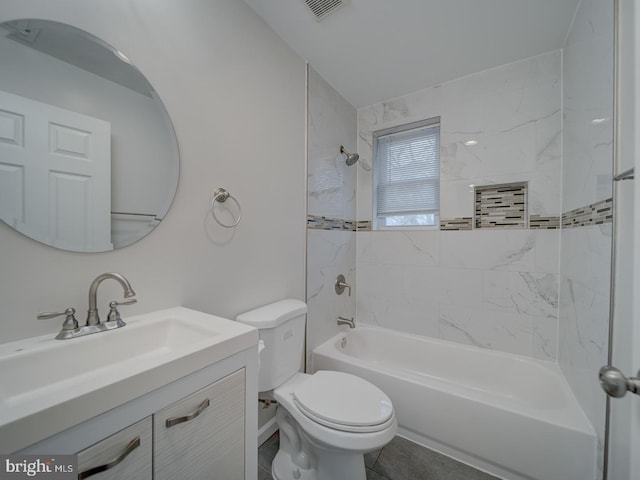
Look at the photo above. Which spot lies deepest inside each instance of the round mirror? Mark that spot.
(88, 155)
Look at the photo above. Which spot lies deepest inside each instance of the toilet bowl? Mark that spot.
(327, 420)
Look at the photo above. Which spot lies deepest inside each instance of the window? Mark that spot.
(407, 175)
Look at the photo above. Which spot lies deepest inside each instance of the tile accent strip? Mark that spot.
(594, 214)
(459, 223)
(317, 222)
(363, 225)
(501, 206)
(540, 222)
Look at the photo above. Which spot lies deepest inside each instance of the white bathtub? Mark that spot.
(511, 416)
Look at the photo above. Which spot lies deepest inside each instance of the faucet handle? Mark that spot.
(70, 322)
(341, 284)
(114, 314)
(128, 302)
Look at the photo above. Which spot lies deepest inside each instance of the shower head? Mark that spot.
(351, 157)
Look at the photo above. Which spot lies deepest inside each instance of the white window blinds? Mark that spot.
(407, 174)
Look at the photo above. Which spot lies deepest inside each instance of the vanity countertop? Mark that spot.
(48, 385)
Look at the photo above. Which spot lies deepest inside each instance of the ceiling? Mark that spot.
(78, 48)
(375, 50)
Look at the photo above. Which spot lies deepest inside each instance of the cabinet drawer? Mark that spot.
(202, 435)
(124, 457)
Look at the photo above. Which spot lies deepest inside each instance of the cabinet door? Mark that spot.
(126, 454)
(202, 435)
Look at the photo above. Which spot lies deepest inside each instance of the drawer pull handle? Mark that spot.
(133, 444)
(176, 420)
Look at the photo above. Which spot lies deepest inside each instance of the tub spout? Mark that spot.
(346, 321)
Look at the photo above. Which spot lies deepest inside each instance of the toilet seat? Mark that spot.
(342, 401)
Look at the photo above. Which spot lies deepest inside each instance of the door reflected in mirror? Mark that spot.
(88, 156)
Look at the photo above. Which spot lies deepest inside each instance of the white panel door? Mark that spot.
(55, 174)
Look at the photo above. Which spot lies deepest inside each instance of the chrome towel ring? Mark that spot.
(221, 195)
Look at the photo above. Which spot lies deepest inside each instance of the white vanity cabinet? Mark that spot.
(125, 454)
(202, 436)
(197, 437)
(201, 426)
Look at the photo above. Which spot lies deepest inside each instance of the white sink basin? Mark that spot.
(47, 385)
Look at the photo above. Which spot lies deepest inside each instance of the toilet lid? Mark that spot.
(343, 401)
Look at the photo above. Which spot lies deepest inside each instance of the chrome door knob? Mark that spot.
(615, 384)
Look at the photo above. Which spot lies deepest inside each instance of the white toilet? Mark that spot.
(327, 420)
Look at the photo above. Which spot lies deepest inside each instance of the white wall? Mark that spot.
(236, 95)
(494, 288)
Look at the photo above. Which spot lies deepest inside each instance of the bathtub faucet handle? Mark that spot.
(341, 284)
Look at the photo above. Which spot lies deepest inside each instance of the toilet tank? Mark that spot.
(281, 325)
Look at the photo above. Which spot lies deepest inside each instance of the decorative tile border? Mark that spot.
(316, 222)
(364, 225)
(501, 206)
(460, 223)
(541, 222)
(594, 214)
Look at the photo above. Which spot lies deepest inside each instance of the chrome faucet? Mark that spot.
(92, 315)
(70, 327)
(346, 321)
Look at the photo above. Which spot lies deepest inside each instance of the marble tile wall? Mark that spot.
(331, 122)
(587, 190)
(330, 253)
(493, 288)
(513, 112)
(513, 290)
(587, 106)
(331, 209)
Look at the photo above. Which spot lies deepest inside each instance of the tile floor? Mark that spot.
(401, 459)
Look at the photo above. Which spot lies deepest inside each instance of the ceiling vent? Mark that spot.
(322, 8)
